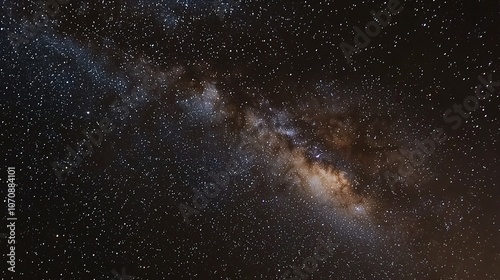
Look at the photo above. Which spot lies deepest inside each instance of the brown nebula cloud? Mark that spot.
(312, 179)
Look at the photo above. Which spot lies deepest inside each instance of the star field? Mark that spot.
(235, 139)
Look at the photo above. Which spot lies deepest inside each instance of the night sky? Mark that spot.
(200, 139)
